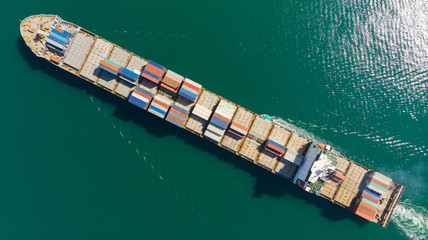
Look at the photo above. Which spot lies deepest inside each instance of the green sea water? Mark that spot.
(79, 163)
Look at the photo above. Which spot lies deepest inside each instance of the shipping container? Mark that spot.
(172, 81)
(59, 29)
(297, 148)
(202, 111)
(105, 66)
(128, 75)
(153, 72)
(378, 186)
(279, 137)
(369, 198)
(377, 181)
(260, 129)
(182, 107)
(220, 120)
(160, 106)
(140, 97)
(190, 89)
(375, 189)
(366, 211)
(51, 43)
(372, 194)
(238, 129)
(136, 63)
(381, 178)
(58, 39)
(60, 34)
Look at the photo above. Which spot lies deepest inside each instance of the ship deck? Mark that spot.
(246, 133)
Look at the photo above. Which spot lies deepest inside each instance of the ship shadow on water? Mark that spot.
(266, 183)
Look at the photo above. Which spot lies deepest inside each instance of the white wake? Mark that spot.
(412, 220)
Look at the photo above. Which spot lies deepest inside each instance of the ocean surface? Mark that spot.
(79, 163)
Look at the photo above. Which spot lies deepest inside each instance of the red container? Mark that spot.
(178, 112)
(175, 119)
(369, 198)
(154, 70)
(160, 103)
(142, 94)
(236, 133)
(221, 117)
(378, 182)
(109, 66)
(59, 29)
(169, 87)
(366, 211)
(150, 78)
(240, 126)
(191, 86)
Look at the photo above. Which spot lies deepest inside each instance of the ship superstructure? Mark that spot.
(315, 167)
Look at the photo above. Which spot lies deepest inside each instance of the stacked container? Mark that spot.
(274, 147)
(179, 111)
(109, 66)
(160, 105)
(57, 39)
(238, 129)
(202, 111)
(366, 209)
(190, 89)
(172, 81)
(128, 75)
(296, 150)
(153, 72)
(140, 97)
(220, 120)
(377, 183)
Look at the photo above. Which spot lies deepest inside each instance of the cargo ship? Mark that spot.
(315, 167)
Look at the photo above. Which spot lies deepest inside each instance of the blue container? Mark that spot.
(276, 144)
(157, 65)
(137, 102)
(69, 35)
(219, 123)
(144, 91)
(53, 38)
(63, 35)
(157, 110)
(189, 95)
(174, 122)
(152, 75)
(59, 37)
(177, 115)
(180, 109)
(128, 74)
(372, 194)
(108, 69)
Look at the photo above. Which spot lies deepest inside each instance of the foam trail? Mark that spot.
(412, 220)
